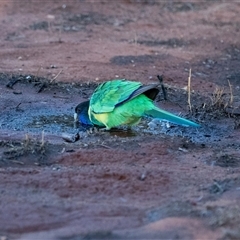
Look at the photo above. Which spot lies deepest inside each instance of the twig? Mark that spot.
(105, 146)
(56, 76)
(189, 89)
(18, 162)
(42, 140)
(60, 36)
(135, 38)
(12, 82)
(50, 27)
(18, 105)
(43, 85)
(231, 93)
(160, 78)
(218, 186)
(36, 77)
(27, 140)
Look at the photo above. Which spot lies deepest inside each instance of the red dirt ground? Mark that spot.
(181, 184)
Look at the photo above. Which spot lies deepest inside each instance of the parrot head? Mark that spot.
(81, 113)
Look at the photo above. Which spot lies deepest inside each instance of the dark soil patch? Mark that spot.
(173, 42)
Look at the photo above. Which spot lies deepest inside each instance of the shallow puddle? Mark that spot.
(34, 112)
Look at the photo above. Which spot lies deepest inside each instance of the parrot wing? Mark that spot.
(112, 93)
(151, 91)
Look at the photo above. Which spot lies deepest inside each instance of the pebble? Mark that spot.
(70, 137)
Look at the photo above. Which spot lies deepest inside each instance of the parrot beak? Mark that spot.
(75, 117)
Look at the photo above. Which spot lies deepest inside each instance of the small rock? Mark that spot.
(142, 177)
(183, 150)
(152, 125)
(17, 92)
(70, 137)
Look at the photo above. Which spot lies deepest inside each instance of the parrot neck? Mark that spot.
(84, 119)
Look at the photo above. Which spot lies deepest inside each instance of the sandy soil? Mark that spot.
(151, 182)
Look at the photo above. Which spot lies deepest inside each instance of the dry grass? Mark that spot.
(27, 146)
(220, 99)
(206, 107)
(189, 90)
(217, 98)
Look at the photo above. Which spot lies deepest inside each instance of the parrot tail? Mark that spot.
(164, 115)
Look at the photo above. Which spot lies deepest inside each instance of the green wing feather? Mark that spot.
(109, 94)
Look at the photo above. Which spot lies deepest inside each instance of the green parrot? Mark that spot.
(122, 102)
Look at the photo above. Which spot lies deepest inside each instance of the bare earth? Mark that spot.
(152, 182)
